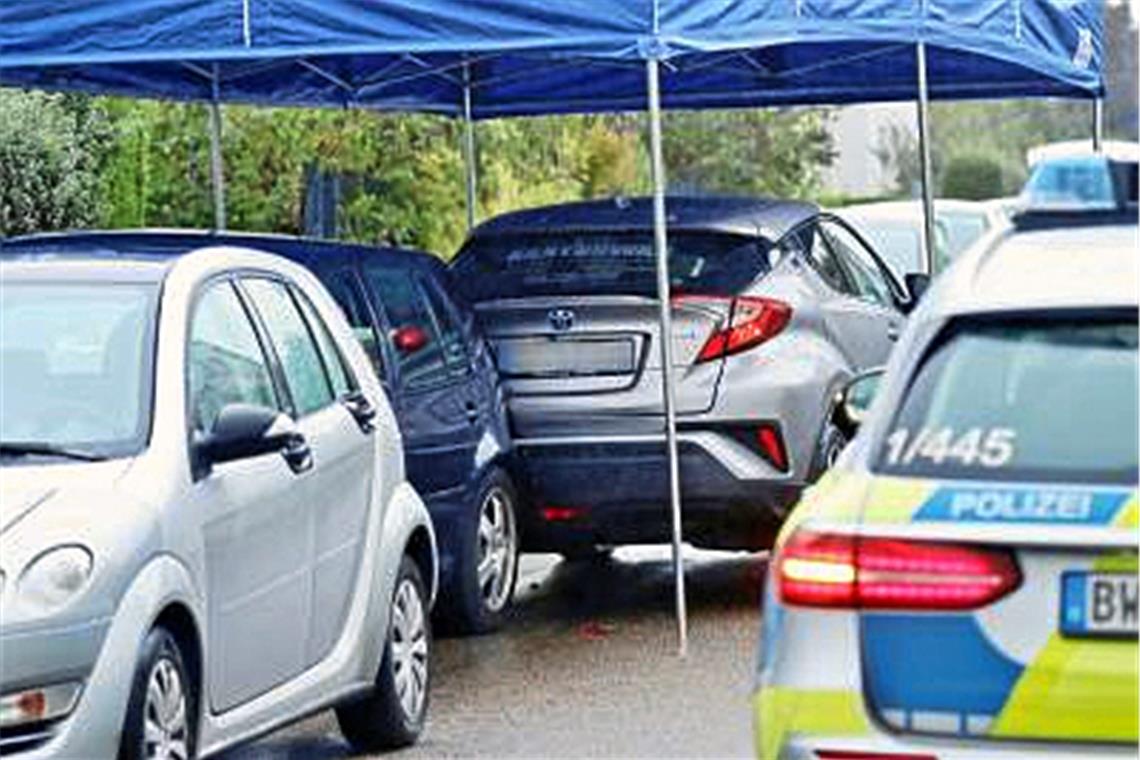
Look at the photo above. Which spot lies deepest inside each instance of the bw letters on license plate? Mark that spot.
(1099, 604)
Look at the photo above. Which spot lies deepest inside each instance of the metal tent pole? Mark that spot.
(924, 158)
(217, 175)
(469, 150)
(1098, 125)
(661, 248)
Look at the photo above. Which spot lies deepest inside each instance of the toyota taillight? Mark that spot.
(837, 570)
(751, 321)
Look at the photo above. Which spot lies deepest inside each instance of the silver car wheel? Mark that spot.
(497, 549)
(409, 649)
(165, 725)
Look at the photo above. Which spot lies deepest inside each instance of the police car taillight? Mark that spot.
(837, 570)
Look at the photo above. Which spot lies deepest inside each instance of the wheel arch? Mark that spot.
(420, 548)
(176, 619)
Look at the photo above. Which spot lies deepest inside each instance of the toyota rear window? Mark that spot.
(1023, 399)
(516, 266)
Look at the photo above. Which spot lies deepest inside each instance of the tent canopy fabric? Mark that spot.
(526, 57)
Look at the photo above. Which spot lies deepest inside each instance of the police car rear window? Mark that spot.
(1051, 400)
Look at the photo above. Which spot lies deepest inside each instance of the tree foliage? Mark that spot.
(972, 178)
(50, 148)
(400, 177)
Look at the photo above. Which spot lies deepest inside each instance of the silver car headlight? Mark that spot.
(54, 577)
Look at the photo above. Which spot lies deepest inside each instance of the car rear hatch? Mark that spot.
(605, 367)
(574, 324)
(999, 548)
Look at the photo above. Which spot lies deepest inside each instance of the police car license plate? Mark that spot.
(1099, 604)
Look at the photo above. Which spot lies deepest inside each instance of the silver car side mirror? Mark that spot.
(244, 431)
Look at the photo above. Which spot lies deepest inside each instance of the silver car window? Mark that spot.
(305, 374)
(862, 270)
(339, 375)
(823, 259)
(226, 364)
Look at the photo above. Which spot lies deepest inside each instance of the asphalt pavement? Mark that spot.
(588, 667)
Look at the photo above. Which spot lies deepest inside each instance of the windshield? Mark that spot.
(963, 228)
(1046, 400)
(75, 365)
(1071, 183)
(548, 264)
(899, 242)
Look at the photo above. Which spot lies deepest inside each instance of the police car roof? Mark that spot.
(1070, 267)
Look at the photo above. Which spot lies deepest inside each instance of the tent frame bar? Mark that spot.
(469, 156)
(217, 172)
(924, 159)
(661, 249)
(1098, 125)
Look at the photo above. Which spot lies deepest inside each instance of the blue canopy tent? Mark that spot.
(478, 59)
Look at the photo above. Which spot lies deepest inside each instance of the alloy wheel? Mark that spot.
(409, 649)
(165, 724)
(497, 551)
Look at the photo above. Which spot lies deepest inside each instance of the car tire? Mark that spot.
(393, 715)
(832, 441)
(161, 720)
(478, 598)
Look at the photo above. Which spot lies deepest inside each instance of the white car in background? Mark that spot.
(205, 528)
(895, 229)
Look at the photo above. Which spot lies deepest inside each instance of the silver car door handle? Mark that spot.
(893, 331)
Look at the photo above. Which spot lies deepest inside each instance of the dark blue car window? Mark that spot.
(400, 297)
(592, 263)
(345, 290)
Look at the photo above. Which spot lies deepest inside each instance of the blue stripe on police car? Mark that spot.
(1064, 506)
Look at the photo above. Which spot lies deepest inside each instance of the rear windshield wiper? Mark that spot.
(22, 449)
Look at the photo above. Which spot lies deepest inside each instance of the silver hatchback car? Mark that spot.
(205, 529)
(775, 306)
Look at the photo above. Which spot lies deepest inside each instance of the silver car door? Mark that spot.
(871, 321)
(338, 490)
(255, 520)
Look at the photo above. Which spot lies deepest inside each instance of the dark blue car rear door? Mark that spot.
(437, 396)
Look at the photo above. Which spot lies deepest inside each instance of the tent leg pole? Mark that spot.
(661, 248)
(1098, 125)
(470, 166)
(924, 158)
(217, 175)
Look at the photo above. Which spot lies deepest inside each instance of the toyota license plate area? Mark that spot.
(1099, 605)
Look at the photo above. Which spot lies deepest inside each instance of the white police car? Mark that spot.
(964, 583)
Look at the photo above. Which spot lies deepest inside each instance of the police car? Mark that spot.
(963, 584)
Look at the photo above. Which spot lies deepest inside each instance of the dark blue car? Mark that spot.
(440, 378)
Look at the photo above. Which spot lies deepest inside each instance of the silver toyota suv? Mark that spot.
(776, 305)
(205, 529)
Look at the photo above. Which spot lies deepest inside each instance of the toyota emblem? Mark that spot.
(561, 319)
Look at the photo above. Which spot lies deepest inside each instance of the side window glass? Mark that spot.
(225, 364)
(304, 373)
(345, 290)
(823, 259)
(412, 330)
(451, 337)
(865, 274)
(339, 375)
